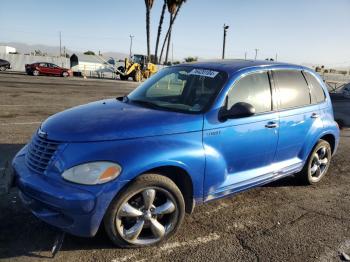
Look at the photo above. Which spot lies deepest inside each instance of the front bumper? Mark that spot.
(63, 205)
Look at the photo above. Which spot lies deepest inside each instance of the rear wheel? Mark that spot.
(65, 74)
(149, 211)
(121, 70)
(36, 73)
(122, 77)
(317, 164)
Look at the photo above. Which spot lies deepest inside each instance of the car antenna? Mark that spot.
(58, 243)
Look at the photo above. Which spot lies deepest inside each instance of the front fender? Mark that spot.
(137, 156)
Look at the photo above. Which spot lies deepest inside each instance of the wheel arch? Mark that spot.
(182, 180)
(330, 138)
(178, 175)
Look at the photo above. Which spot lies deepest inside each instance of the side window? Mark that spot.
(43, 65)
(253, 89)
(317, 93)
(293, 89)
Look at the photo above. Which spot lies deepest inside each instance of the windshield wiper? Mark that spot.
(146, 103)
(124, 99)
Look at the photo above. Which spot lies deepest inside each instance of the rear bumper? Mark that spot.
(71, 209)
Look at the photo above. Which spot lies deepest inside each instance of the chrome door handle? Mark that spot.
(315, 115)
(271, 125)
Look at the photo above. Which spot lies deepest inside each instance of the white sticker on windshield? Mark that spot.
(203, 72)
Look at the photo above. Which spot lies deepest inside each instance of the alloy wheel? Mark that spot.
(147, 216)
(319, 163)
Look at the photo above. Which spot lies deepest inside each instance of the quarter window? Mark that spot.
(253, 89)
(317, 93)
(293, 89)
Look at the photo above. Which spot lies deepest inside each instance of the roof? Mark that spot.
(233, 65)
(91, 58)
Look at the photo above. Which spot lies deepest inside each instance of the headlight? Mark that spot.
(92, 173)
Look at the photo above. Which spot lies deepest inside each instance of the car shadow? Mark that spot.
(290, 181)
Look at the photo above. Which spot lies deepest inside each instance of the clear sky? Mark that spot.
(301, 31)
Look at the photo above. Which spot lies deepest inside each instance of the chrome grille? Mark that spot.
(40, 153)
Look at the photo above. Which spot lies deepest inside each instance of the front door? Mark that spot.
(54, 69)
(240, 152)
(44, 68)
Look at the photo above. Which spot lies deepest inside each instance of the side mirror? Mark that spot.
(238, 110)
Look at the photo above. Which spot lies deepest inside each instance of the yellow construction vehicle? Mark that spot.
(137, 68)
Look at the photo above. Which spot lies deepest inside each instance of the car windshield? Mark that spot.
(184, 89)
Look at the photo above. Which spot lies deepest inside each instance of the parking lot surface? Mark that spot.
(283, 221)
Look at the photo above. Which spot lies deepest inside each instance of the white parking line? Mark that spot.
(191, 243)
(126, 258)
(42, 105)
(167, 248)
(20, 123)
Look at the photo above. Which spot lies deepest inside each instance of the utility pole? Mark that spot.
(256, 53)
(60, 45)
(131, 37)
(224, 43)
(245, 55)
(276, 57)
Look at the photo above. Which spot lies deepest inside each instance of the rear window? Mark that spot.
(317, 93)
(293, 89)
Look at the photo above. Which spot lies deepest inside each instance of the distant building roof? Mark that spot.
(91, 58)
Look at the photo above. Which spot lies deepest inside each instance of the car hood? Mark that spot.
(112, 120)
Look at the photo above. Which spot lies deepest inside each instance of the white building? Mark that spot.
(90, 65)
(4, 49)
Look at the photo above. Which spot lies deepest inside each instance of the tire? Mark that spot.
(65, 74)
(2, 68)
(124, 78)
(317, 164)
(152, 221)
(36, 73)
(137, 76)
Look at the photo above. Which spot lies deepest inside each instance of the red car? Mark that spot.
(43, 68)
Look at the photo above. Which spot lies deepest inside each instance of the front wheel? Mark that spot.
(36, 73)
(317, 164)
(149, 211)
(65, 74)
(137, 76)
(2, 68)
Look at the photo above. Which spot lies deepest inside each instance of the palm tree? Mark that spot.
(159, 30)
(149, 4)
(173, 5)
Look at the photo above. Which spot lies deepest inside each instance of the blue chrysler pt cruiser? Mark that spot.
(189, 134)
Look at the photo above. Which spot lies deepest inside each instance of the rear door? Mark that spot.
(299, 118)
